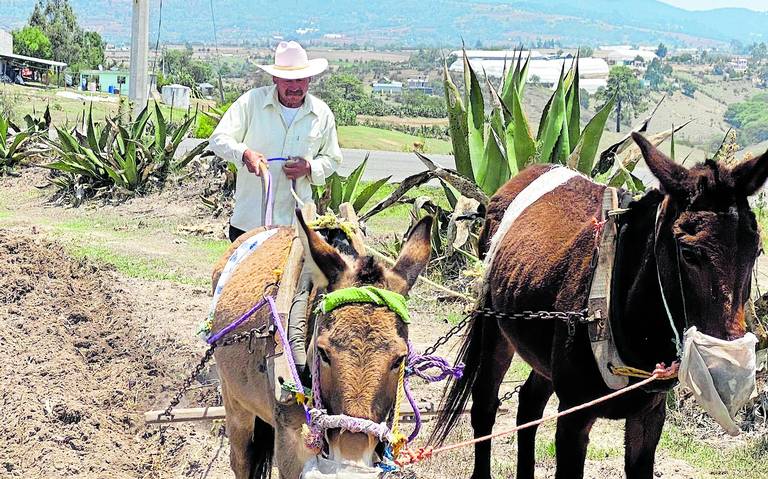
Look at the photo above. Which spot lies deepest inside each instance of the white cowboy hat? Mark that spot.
(291, 63)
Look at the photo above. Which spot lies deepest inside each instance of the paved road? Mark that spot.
(399, 165)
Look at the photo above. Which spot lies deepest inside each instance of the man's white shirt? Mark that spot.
(257, 121)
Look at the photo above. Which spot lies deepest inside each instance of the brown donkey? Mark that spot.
(361, 347)
(705, 248)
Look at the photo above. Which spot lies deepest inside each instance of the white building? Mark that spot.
(593, 72)
(6, 42)
(509, 55)
(390, 88)
(176, 96)
(624, 54)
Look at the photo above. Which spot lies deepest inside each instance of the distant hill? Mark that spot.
(421, 22)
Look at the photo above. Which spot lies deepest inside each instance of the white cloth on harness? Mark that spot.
(542, 185)
(238, 256)
(321, 468)
(719, 373)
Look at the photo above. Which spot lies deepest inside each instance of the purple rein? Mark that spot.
(420, 365)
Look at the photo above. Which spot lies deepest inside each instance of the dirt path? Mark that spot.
(86, 348)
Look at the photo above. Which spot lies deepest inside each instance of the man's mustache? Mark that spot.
(294, 92)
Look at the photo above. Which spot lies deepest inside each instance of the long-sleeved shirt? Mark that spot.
(255, 122)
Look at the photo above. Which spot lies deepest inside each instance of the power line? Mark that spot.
(218, 56)
(157, 42)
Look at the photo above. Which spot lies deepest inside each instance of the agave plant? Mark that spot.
(490, 149)
(339, 189)
(115, 157)
(11, 153)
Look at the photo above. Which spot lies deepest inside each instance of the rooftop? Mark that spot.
(24, 58)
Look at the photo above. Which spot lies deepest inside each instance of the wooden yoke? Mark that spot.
(600, 334)
(347, 213)
(288, 281)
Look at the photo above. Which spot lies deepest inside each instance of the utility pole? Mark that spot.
(138, 90)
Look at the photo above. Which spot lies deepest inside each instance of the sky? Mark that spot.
(760, 5)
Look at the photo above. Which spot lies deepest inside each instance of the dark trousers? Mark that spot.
(234, 233)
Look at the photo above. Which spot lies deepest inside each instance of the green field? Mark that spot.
(367, 138)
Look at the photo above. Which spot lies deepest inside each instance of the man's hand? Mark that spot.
(253, 161)
(296, 167)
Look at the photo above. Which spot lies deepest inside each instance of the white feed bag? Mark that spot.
(721, 374)
(320, 468)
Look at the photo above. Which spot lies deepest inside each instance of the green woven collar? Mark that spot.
(367, 294)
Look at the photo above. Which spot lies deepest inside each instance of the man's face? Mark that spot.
(291, 92)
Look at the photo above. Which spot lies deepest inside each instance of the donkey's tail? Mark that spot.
(457, 391)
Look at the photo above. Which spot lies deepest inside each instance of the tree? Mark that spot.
(585, 52)
(759, 51)
(656, 73)
(661, 51)
(345, 96)
(69, 42)
(626, 89)
(32, 42)
(689, 88)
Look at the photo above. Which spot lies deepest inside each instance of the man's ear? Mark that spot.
(749, 176)
(674, 178)
(325, 263)
(415, 253)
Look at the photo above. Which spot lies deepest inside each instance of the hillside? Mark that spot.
(406, 22)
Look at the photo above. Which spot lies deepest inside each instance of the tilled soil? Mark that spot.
(81, 357)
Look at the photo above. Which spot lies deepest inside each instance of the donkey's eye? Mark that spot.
(397, 363)
(324, 356)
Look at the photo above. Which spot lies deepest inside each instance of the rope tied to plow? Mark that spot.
(423, 453)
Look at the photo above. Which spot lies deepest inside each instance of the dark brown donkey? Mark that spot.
(706, 246)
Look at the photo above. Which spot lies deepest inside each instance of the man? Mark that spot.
(278, 123)
(294, 135)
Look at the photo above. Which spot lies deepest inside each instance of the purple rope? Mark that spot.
(212, 339)
(419, 365)
(287, 350)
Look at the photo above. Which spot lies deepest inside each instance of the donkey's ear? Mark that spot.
(674, 178)
(749, 176)
(415, 253)
(325, 263)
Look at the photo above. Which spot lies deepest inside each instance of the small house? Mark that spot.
(105, 81)
(388, 88)
(176, 96)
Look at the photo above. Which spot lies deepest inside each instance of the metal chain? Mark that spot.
(570, 317)
(451, 332)
(250, 335)
(508, 396)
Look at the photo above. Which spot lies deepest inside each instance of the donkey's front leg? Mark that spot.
(290, 452)
(571, 441)
(641, 436)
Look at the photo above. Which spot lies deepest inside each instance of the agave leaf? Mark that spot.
(555, 121)
(463, 186)
(632, 155)
(91, 133)
(523, 74)
(3, 129)
(161, 130)
(544, 115)
(496, 172)
(336, 192)
(137, 129)
(609, 155)
(475, 120)
(353, 179)
(583, 156)
(574, 107)
(457, 124)
(524, 144)
(184, 161)
(367, 193)
(68, 142)
(405, 186)
(450, 194)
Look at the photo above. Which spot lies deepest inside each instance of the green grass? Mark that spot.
(736, 462)
(368, 138)
(149, 269)
(213, 248)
